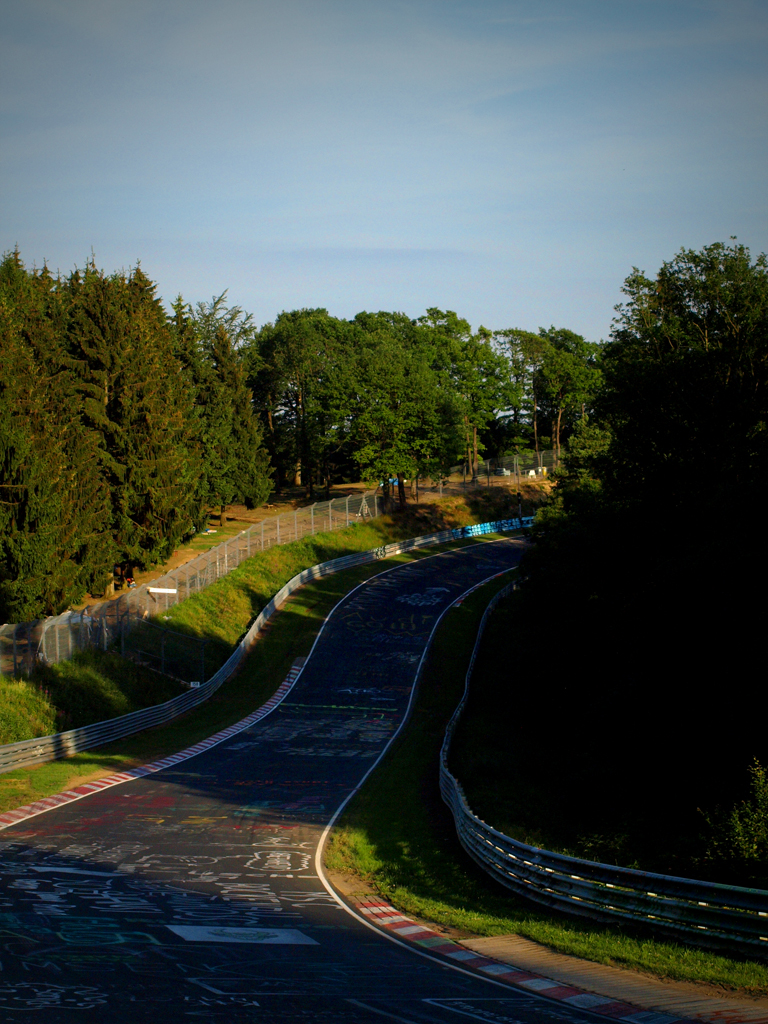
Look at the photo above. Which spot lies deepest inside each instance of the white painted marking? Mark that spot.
(266, 936)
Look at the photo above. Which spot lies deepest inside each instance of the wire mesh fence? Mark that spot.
(115, 624)
(510, 471)
(48, 748)
(124, 623)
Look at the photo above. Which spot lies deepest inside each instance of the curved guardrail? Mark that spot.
(51, 748)
(707, 913)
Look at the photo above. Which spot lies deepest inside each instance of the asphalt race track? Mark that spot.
(193, 895)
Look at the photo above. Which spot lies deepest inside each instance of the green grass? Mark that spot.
(398, 837)
(25, 711)
(93, 686)
(289, 636)
(222, 612)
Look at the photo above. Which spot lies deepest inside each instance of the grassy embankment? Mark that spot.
(109, 686)
(398, 838)
(676, 799)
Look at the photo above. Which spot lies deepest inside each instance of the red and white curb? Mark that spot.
(88, 788)
(393, 921)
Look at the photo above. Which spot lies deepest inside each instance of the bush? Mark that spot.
(740, 837)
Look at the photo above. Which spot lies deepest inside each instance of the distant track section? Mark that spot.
(65, 744)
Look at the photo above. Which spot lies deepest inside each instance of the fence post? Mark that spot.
(347, 510)
(248, 535)
(312, 516)
(296, 524)
(14, 648)
(103, 633)
(262, 534)
(278, 529)
(57, 642)
(330, 517)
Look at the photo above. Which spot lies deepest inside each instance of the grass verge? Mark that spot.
(96, 686)
(290, 635)
(398, 837)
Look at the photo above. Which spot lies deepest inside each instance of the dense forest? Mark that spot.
(123, 424)
(641, 611)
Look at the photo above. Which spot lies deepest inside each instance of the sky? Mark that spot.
(512, 161)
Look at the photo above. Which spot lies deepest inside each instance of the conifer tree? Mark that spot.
(137, 400)
(54, 536)
(235, 464)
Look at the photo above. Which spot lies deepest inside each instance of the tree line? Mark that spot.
(645, 588)
(384, 396)
(123, 424)
(119, 426)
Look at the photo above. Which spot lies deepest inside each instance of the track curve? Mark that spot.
(192, 895)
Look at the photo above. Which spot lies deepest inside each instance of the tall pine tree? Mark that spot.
(138, 401)
(54, 523)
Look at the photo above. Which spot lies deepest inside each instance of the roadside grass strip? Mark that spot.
(78, 792)
(389, 918)
(398, 838)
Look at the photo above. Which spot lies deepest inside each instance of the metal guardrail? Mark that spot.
(59, 637)
(706, 913)
(51, 748)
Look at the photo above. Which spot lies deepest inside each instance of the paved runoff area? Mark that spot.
(191, 890)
